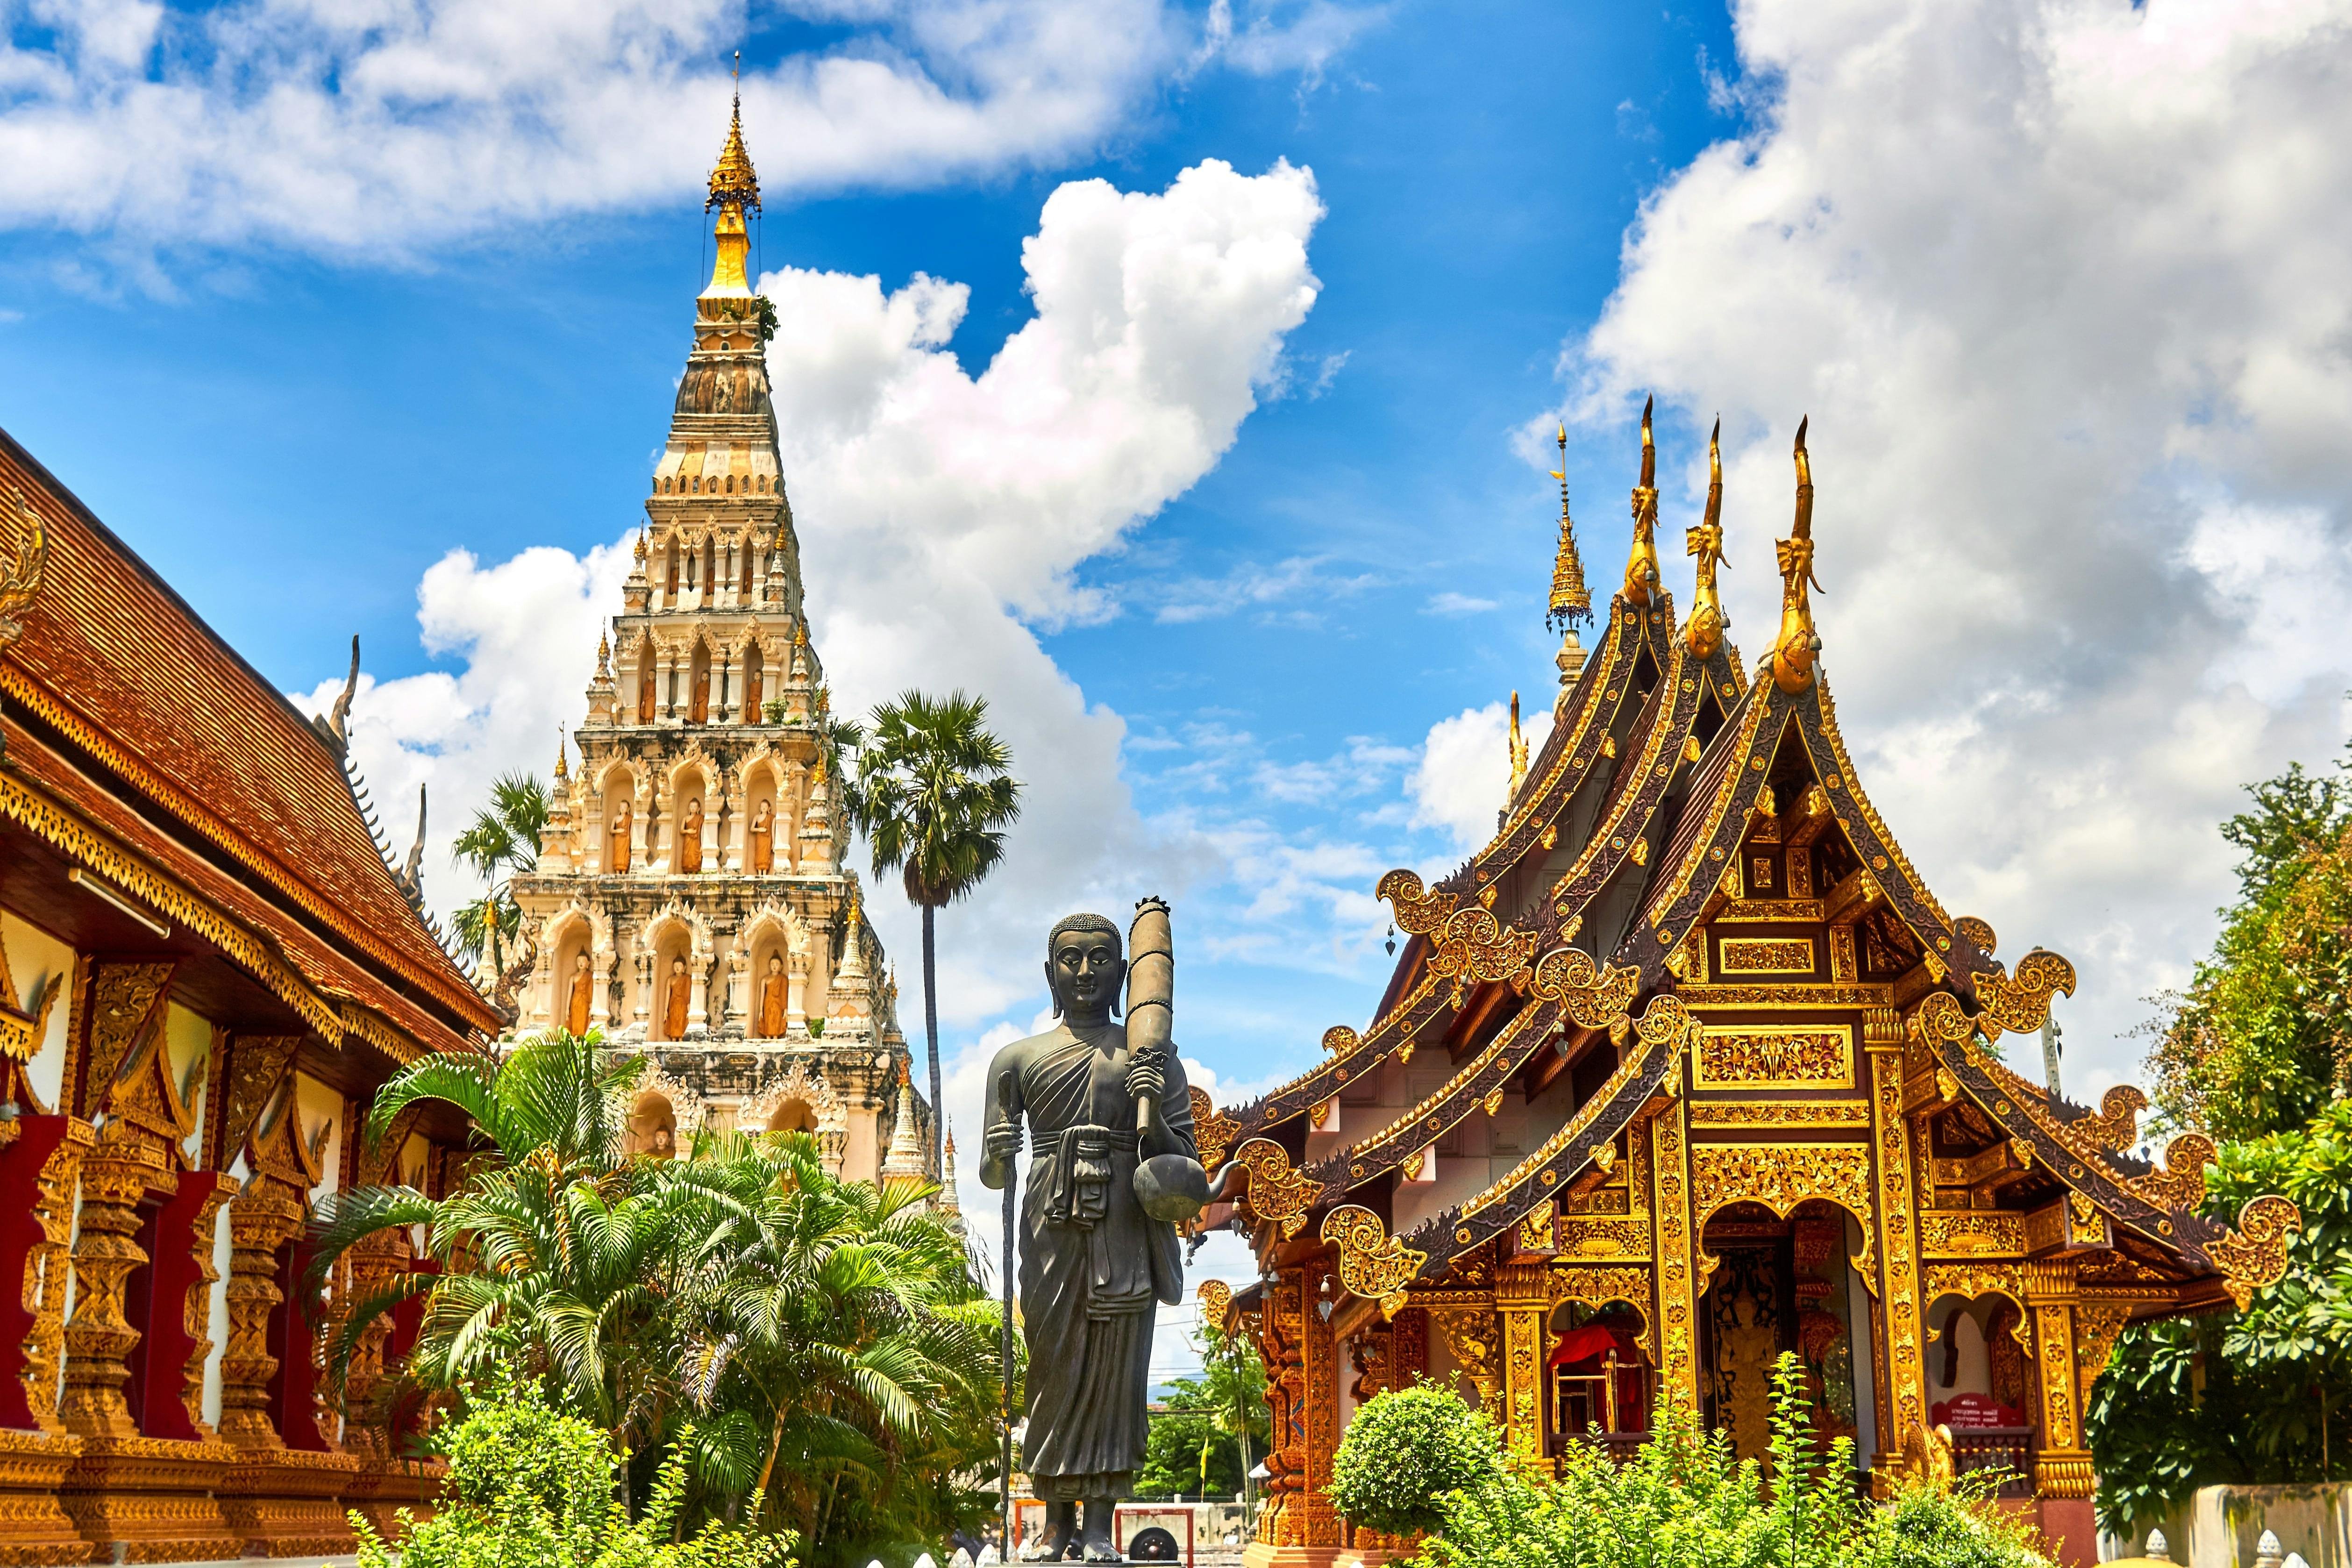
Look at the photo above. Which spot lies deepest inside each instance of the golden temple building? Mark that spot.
(1686, 1068)
(691, 901)
(211, 966)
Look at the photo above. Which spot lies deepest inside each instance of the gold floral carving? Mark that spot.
(1522, 1341)
(2096, 1324)
(2253, 1256)
(22, 582)
(1780, 1176)
(1678, 1359)
(22, 1026)
(1898, 1246)
(2019, 1002)
(2180, 1183)
(1276, 1193)
(1777, 1056)
(1580, 1237)
(1417, 912)
(1591, 995)
(1765, 955)
(48, 1270)
(2117, 1124)
(1971, 1280)
(1372, 1263)
(256, 1065)
(1971, 1233)
(1598, 1286)
(1783, 1114)
(1216, 1298)
(1473, 945)
(1471, 1338)
(126, 1002)
(123, 1165)
(2062, 1469)
(1214, 1132)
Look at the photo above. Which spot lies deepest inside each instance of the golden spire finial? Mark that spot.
(1794, 651)
(1571, 602)
(1641, 563)
(603, 656)
(1704, 635)
(1518, 753)
(562, 750)
(734, 190)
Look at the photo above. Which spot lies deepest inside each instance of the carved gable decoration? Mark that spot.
(257, 1065)
(126, 1017)
(281, 1151)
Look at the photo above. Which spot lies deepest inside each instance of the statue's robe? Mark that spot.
(575, 1016)
(763, 844)
(618, 860)
(689, 841)
(681, 989)
(773, 995)
(1093, 1263)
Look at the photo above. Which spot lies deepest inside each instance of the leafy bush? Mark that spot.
(529, 1486)
(1686, 1501)
(1405, 1452)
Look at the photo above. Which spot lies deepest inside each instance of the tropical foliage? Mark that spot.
(528, 1484)
(810, 1353)
(933, 793)
(2262, 1036)
(1685, 1501)
(501, 843)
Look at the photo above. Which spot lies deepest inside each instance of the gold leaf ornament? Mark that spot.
(2019, 1003)
(2253, 1256)
(1589, 994)
(1276, 1193)
(1372, 1263)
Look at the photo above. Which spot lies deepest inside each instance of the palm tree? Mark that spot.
(933, 795)
(504, 838)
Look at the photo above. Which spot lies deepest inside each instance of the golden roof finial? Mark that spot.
(1794, 651)
(1571, 602)
(1641, 563)
(641, 547)
(562, 750)
(734, 190)
(603, 656)
(1704, 635)
(1518, 753)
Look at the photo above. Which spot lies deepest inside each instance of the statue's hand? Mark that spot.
(1004, 1140)
(1144, 1078)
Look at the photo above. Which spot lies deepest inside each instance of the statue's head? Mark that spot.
(677, 967)
(762, 814)
(695, 803)
(580, 962)
(1084, 966)
(775, 964)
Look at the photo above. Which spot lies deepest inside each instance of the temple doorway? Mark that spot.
(1783, 1285)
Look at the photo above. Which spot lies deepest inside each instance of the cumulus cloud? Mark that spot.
(941, 514)
(2061, 284)
(1464, 774)
(355, 129)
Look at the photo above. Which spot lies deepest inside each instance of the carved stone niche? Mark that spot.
(282, 1499)
(141, 1488)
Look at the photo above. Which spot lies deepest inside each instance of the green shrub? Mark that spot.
(1405, 1452)
(532, 1488)
(1686, 1501)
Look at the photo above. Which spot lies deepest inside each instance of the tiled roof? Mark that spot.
(116, 662)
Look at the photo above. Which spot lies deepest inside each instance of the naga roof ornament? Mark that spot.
(1794, 651)
(1641, 563)
(1703, 633)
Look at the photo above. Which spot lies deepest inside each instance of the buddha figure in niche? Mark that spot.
(618, 860)
(775, 994)
(645, 691)
(689, 836)
(763, 836)
(701, 713)
(575, 1012)
(674, 1001)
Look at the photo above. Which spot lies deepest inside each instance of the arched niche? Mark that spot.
(674, 962)
(653, 1126)
(763, 790)
(689, 797)
(673, 569)
(755, 667)
(699, 691)
(792, 1116)
(572, 943)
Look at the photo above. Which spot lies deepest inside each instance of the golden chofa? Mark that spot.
(1641, 563)
(1704, 632)
(1797, 646)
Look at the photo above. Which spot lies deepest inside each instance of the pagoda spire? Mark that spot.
(1572, 601)
(1641, 563)
(1794, 651)
(734, 191)
(905, 1156)
(1705, 633)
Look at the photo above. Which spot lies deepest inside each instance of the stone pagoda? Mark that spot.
(690, 901)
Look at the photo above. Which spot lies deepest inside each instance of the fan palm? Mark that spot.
(502, 842)
(933, 795)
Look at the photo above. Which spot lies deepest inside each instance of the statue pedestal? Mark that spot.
(1258, 1554)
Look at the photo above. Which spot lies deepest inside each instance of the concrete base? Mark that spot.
(1257, 1554)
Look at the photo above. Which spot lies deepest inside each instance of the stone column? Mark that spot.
(116, 1177)
(376, 1264)
(262, 1220)
(642, 1012)
(796, 972)
(698, 1007)
(48, 1270)
(197, 1311)
(602, 963)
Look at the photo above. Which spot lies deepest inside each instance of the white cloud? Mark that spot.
(358, 128)
(2063, 286)
(1450, 603)
(1465, 771)
(1258, 589)
(935, 509)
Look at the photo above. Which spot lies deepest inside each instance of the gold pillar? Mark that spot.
(1902, 1371)
(263, 1219)
(46, 1269)
(116, 1177)
(1677, 1316)
(1319, 1355)
(1523, 1299)
(2062, 1466)
(196, 1311)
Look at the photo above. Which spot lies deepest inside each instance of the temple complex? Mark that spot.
(1685, 1068)
(690, 901)
(210, 967)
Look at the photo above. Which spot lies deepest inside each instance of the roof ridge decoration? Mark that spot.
(733, 181)
(1799, 644)
(1703, 633)
(1464, 945)
(1572, 601)
(1641, 560)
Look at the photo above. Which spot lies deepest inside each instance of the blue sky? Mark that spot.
(302, 309)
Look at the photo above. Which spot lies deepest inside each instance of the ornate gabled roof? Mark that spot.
(1714, 765)
(114, 664)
